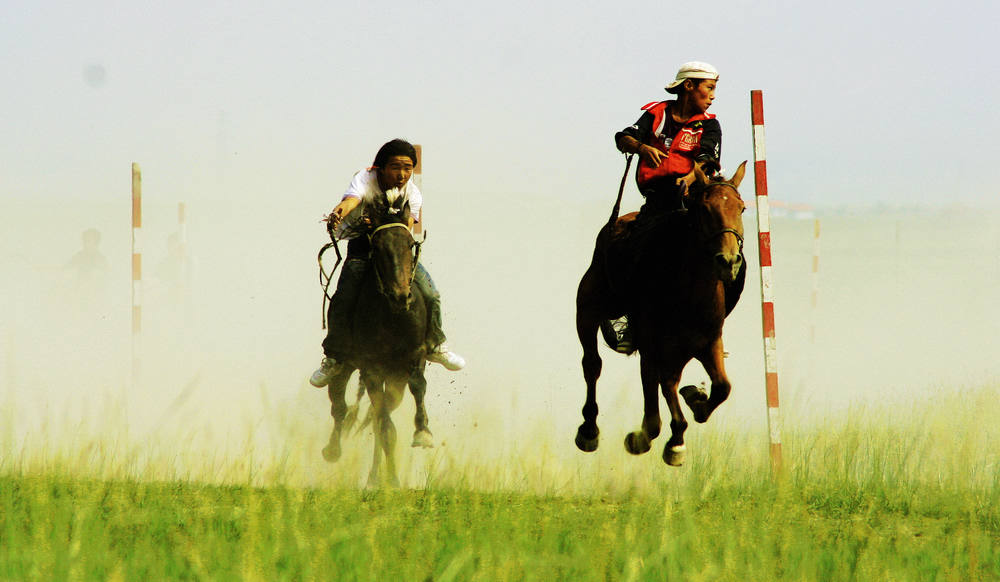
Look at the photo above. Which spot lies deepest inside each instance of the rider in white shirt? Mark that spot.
(388, 178)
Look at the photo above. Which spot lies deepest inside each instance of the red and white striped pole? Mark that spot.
(136, 268)
(182, 227)
(766, 281)
(418, 179)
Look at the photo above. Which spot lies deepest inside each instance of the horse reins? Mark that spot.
(621, 189)
(739, 237)
(324, 279)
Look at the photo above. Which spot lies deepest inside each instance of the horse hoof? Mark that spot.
(423, 438)
(637, 443)
(693, 394)
(587, 444)
(674, 455)
(697, 400)
(331, 453)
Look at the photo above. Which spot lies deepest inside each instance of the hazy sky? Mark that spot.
(257, 115)
(874, 101)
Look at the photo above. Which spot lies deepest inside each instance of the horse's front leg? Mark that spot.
(338, 409)
(712, 360)
(639, 441)
(675, 449)
(392, 396)
(376, 397)
(351, 418)
(592, 305)
(422, 436)
(588, 435)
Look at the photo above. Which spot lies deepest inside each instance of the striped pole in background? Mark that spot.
(766, 282)
(815, 281)
(136, 267)
(418, 179)
(182, 226)
(182, 240)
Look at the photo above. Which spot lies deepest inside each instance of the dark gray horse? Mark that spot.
(389, 329)
(422, 436)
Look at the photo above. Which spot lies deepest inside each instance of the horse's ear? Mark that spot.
(405, 213)
(738, 176)
(396, 206)
(378, 211)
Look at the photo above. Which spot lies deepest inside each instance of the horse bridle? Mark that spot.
(739, 237)
(416, 253)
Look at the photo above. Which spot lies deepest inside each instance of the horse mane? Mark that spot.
(384, 212)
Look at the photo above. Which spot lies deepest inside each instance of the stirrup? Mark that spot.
(328, 368)
(618, 335)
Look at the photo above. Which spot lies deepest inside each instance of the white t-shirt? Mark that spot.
(365, 186)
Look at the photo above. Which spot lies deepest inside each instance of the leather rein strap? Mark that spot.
(738, 236)
(621, 189)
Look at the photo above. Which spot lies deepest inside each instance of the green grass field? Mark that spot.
(909, 495)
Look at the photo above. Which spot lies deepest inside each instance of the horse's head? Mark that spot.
(393, 255)
(719, 211)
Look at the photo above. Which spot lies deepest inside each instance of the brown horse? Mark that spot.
(677, 276)
(389, 328)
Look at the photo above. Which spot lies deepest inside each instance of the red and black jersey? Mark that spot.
(698, 139)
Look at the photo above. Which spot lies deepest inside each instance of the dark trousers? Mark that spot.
(339, 342)
(664, 198)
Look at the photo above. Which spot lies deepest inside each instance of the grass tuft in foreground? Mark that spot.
(910, 496)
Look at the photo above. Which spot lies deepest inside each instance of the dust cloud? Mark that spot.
(906, 312)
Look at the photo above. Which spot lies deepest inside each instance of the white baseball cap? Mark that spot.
(692, 70)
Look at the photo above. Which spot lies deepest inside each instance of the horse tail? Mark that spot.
(621, 189)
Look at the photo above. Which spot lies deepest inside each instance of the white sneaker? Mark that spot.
(446, 358)
(327, 368)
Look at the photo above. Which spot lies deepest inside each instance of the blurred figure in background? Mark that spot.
(88, 273)
(174, 271)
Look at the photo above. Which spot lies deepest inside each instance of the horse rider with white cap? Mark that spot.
(671, 136)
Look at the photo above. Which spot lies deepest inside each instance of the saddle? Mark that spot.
(622, 226)
(629, 234)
